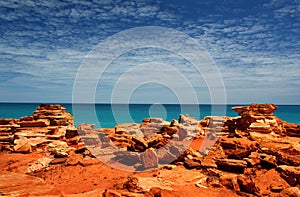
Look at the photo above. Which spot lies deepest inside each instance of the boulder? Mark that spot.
(247, 185)
(253, 159)
(187, 120)
(132, 184)
(174, 123)
(191, 164)
(22, 145)
(157, 141)
(165, 156)
(153, 120)
(215, 121)
(240, 153)
(129, 129)
(40, 164)
(169, 130)
(229, 181)
(232, 165)
(59, 148)
(71, 132)
(138, 144)
(157, 191)
(290, 173)
(228, 145)
(268, 161)
(149, 159)
(127, 157)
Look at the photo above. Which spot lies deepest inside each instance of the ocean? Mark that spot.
(107, 115)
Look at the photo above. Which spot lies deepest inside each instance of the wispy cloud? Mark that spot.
(255, 45)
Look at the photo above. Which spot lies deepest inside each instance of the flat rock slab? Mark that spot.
(15, 184)
(231, 163)
(290, 173)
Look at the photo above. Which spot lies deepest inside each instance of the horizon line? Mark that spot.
(104, 103)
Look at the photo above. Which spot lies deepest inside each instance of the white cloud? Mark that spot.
(47, 40)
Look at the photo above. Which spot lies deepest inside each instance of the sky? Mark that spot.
(250, 51)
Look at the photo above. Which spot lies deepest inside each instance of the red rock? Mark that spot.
(290, 173)
(7, 121)
(39, 165)
(149, 159)
(26, 118)
(268, 161)
(169, 130)
(231, 163)
(292, 130)
(255, 109)
(191, 164)
(230, 181)
(138, 144)
(260, 127)
(35, 123)
(290, 192)
(132, 184)
(247, 185)
(84, 129)
(228, 145)
(156, 191)
(22, 145)
(58, 160)
(111, 193)
(153, 120)
(71, 132)
(127, 157)
(254, 159)
(56, 114)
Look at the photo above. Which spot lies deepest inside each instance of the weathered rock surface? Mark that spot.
(290, 173)
(149, 159)
(231, 164)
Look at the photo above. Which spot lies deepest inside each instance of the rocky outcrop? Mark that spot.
(260, 118)
(255, 153)
(257, 118)
(55, 113)
(49, 124)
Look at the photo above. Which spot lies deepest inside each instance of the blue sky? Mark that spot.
(254, 44)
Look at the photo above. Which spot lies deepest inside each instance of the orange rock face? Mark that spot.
(56, 114)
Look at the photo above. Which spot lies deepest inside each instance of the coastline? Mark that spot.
(255, 153)
(138, 112)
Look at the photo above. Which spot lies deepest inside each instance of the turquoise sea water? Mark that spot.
(107, 115)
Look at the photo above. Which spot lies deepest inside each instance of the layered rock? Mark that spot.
(55, 113)
(226, 152)
(48, 124)
(260, 118)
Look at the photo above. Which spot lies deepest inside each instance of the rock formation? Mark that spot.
(253, 154)
(47, 126)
